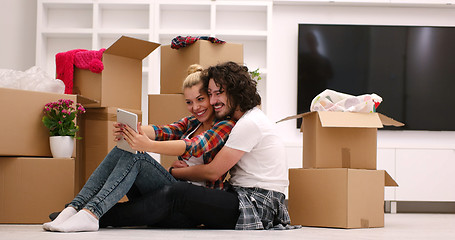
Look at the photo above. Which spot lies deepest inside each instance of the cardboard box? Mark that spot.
(32, 188)
(175, 62)
(341, 139)
(166, 161)
(339, 198)
(98, 140)
(166, 108)
(23, 133)
(120, 83)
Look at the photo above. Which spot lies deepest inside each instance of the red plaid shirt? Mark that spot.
(206, 144)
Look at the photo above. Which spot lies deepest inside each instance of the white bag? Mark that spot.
(330, 100)
(34, 79)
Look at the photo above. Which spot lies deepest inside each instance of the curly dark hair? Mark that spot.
(236, 81)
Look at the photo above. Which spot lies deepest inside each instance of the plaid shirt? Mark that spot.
(262, 209)
(207, 144)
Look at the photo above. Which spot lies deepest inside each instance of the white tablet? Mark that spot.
(130, 119)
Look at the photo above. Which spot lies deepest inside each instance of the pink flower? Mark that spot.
(58, 113)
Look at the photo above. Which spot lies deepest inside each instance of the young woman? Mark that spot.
(196, 139)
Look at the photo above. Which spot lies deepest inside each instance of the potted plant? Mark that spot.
(59, 119)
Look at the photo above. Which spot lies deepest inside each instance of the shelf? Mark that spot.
(68, 32)
(242, 35)
(123, 31)
(241, 18)
(124, 16)
(74, 15)
(184, 16)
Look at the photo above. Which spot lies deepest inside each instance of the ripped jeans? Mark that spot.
(120, 173)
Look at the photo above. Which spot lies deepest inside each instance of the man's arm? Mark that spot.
(225, 159)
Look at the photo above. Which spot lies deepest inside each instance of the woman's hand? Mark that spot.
(117, 131)
(137, 140)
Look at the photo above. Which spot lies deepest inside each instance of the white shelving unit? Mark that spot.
(63, 25)
(245, 22)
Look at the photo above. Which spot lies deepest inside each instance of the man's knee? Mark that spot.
(176, 190)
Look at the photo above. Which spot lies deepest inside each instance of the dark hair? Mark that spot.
(236, 81)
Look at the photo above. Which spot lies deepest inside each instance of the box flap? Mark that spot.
(131, 48)
(85, 100)
(387, 121)
(389, 182)
(348, 119)
(295, 117)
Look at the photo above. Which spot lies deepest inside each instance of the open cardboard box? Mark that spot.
(338, 197)
(120, 83)
(175, 62)
(341, 139)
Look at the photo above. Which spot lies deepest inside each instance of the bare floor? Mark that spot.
(397, 226)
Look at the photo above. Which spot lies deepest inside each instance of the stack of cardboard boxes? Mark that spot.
(32, 183)
(339, 185)
(169, 106)
(119, 85)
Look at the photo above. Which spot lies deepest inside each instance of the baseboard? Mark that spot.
(421, 207)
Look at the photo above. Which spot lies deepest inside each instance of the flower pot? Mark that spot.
(61, 146)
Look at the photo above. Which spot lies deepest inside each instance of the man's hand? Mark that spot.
(137, 140)
(179, 164)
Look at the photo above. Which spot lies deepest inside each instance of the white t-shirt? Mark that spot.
(264, 163)
(195, 160)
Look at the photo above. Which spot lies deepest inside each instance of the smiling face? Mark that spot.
(198, 104)
(219, 100)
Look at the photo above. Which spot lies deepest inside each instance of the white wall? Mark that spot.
(18, 34)
(282, 70)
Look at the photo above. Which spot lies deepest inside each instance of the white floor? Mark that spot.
(397, 226)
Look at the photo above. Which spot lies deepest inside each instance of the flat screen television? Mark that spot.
(411, 67)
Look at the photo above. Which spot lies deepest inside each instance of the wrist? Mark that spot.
(170, 170)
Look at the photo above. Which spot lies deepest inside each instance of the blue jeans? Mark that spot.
(116, 175)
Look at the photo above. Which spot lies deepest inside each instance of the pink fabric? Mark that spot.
(81, 58)
(90, 60)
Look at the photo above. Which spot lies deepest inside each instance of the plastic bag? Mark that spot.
(330, 100)
(34, 79)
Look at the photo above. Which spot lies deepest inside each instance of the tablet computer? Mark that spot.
(130, 119)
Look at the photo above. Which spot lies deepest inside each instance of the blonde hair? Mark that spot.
(194, 76)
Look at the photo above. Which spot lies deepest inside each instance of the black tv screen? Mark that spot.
(411, 67)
